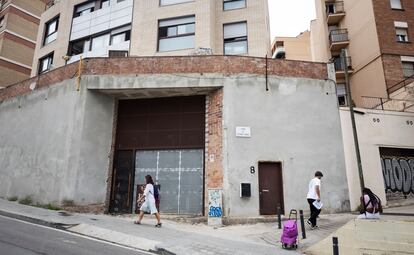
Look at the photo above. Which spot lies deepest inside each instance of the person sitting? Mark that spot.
(370, 204)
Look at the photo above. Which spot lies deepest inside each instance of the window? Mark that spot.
(45, 63)
(169, 2)
(51, 28)
(235, 38)
(120, 37)
(83, 9)
(79, 47)
(100, 42)
(341, 94)
(104, 3)
(118, 1)
(402, 34)
(408, 69)
(176, 34)
(233, 4)
(401, 31)
(396, 4)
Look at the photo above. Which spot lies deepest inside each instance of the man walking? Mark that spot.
(314, 194)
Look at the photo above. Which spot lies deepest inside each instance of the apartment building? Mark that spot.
(19, 21)
(116, 28)
(377, 37)
(292, 48)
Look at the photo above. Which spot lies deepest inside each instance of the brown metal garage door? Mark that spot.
(175, 124)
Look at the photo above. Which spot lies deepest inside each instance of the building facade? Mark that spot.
(105, 28)
(255, 131)
(19, 21)
(293, 48)
(376, 36)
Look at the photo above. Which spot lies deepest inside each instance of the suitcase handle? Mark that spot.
(295, 212)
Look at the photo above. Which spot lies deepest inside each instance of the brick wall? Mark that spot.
(227, 65)
(213, 148)
(391, 50)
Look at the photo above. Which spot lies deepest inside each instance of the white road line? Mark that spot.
(78, 235)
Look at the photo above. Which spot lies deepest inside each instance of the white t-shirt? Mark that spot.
(149, 193)
(312, 188)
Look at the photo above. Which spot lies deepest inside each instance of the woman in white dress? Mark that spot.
(149, 203)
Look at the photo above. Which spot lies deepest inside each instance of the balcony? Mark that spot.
(338, 39)
(279, 52)
(335, 12)
(340, 68)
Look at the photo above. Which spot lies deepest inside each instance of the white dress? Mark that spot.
(149, 203)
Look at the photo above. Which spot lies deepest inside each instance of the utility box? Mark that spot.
(245, 190)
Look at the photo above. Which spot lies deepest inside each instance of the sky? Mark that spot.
(290, 17)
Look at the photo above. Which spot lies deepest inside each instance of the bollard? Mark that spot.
(302, 224)
(335, 246)
(279, 217)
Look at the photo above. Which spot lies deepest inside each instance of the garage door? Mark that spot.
(179, 174)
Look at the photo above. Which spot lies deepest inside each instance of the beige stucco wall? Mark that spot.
(297, 48)
(371, 136)
(368, 75)
(319, 34)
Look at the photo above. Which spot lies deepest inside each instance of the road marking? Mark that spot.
(78, 235)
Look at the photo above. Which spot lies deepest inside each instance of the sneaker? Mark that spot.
(309, 224)
(158, 225)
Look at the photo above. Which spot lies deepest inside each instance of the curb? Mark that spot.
(33, 220)
(66, 228)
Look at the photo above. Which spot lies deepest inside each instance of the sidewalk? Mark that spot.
(176, 238)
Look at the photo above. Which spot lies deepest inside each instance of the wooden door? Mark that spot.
(270, 188)
(121, 195)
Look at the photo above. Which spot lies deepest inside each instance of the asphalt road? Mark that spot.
(21, 238)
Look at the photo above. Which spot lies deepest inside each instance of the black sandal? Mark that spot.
(158, 225)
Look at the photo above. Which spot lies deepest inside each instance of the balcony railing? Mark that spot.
(339, 66)
(388, 104)
(338, 35)
(335, 8)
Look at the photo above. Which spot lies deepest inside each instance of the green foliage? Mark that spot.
(13, 198)
(27, 200)
(48, 206)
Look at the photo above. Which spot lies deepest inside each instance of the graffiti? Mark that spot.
(214, 203)
(398, 170)
(215, 212)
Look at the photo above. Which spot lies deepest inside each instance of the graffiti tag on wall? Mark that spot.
(214, 203)
(398, 169)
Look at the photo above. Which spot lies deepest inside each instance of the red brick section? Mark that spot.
(391, 50)
(15, 67)
(227, 65)
(213, 155)
(12, 37)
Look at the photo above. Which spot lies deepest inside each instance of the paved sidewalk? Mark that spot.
(174, 237)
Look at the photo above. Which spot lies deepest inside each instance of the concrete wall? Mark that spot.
(54, 144)
(296, 123)
(392, 130)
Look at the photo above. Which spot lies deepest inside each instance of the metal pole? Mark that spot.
(351, 110)
(279, 217)
(302, 224)
(267, 79)
(335, 245)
